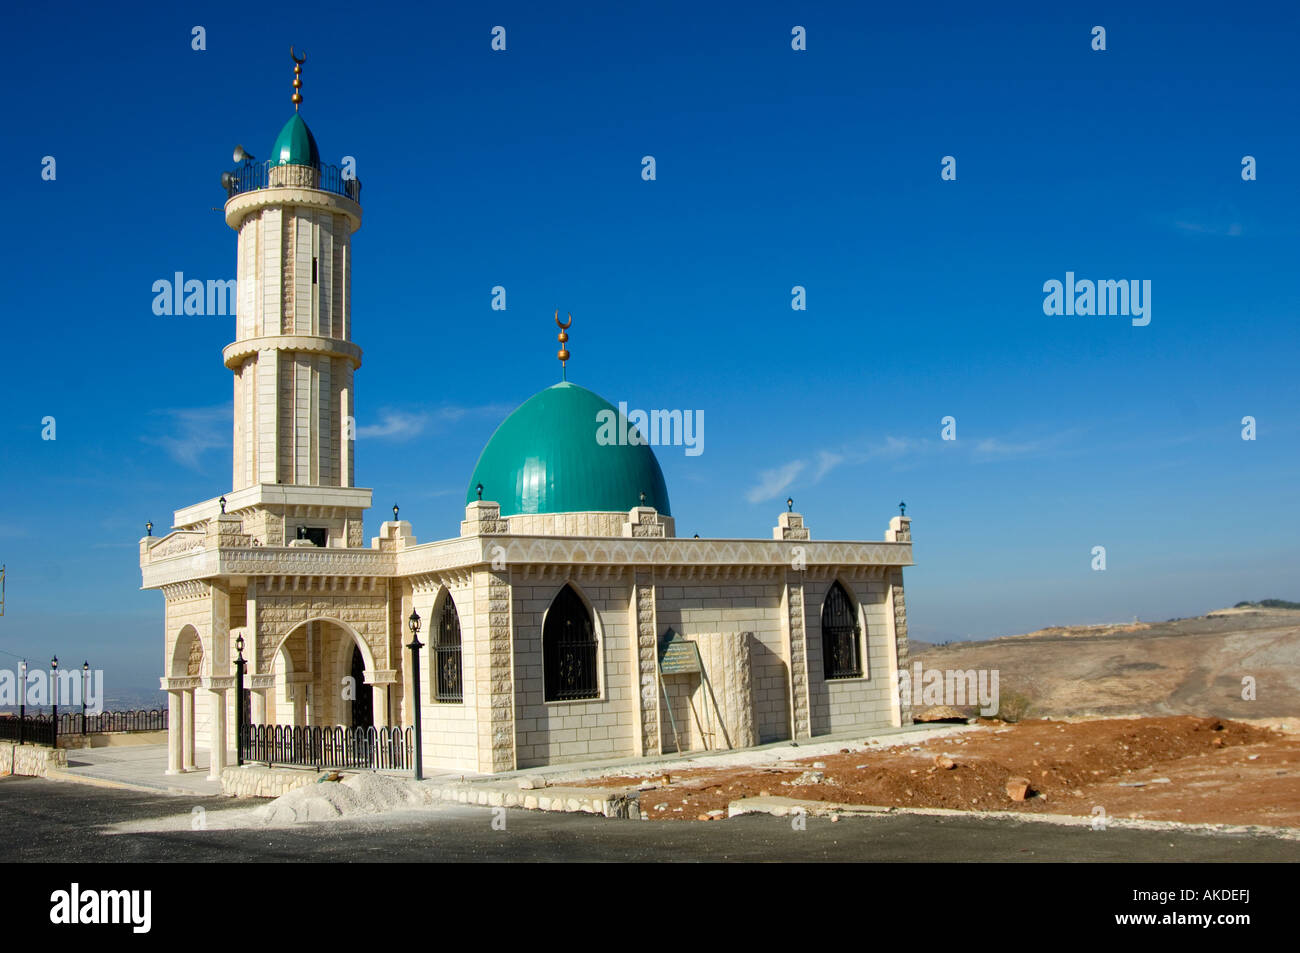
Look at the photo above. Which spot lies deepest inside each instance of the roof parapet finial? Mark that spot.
(296, 98)
(563, 338)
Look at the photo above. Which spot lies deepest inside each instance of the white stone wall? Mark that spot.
(449, 729)
(696, 609)
(554, 732)
(839, 705)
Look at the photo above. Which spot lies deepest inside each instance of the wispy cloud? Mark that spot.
(1232, 229)
(996, 447)
(400, 425)
(772, 482)
(194, 432)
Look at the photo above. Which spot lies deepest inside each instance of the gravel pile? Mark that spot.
(354, 795)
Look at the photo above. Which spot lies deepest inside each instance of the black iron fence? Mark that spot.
(248, 176)
(32, 728)
(43, 729)
(318, 747)
(153, 719)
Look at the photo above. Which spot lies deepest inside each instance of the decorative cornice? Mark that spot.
(245, 203)
(236, 353)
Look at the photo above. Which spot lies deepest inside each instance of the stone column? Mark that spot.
(187, 743)
(217, 744)
(379, 703)
(646, 651)
(797, 647)
(258, 704)
(175, 731)
(494, 650)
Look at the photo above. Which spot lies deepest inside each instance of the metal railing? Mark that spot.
(44, 729)
(316, 746)
(152, 719)
(249, 176)
(33, 729)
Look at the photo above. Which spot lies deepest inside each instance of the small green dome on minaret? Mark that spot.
(295, 145)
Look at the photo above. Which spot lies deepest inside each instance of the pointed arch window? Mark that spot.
(448, 686)
(841, 655)
(569, 650)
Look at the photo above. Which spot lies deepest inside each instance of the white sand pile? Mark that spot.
(354, 795)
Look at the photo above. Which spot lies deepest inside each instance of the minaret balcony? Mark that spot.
(250, 176)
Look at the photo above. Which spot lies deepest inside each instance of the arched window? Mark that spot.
(840, 656)
(448, 687)
(569, 650)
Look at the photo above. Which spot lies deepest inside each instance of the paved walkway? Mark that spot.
(141, 767)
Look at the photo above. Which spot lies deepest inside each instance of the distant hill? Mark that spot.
(1183, 666)
(1268, 604)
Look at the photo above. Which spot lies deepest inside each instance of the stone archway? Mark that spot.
(188, 711)
(313, 666)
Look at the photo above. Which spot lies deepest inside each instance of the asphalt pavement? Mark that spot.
(44, 820)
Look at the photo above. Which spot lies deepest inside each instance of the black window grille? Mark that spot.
(840, 654)
(448, 686)
(569, 650)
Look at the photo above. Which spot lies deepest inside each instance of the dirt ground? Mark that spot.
(1178, 768)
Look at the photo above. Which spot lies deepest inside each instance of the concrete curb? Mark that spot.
(615, 804)
(786, 806)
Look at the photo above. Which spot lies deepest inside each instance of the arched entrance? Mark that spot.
(320, 670)
(363, 705)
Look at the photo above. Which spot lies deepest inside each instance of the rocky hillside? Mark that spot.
(1185, 666)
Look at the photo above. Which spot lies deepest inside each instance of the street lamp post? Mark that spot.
(22, 700)
(85, 679)
(415, 647)
(54, 698)
(239, 700)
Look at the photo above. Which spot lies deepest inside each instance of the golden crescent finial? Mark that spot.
(296, 98)
(563, 336)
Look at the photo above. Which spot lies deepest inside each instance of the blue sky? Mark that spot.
(775, 168)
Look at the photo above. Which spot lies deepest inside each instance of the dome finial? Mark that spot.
(296, 98)
(563, 337)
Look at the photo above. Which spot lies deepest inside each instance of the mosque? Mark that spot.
(566, 622)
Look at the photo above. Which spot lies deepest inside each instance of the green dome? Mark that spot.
(295, 145)
(545, 458)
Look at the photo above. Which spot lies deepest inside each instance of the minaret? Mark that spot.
(293, 358)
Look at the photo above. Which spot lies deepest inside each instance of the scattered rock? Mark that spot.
(1017, 788)
(808, 777)
(944, 761)
(819, 764)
